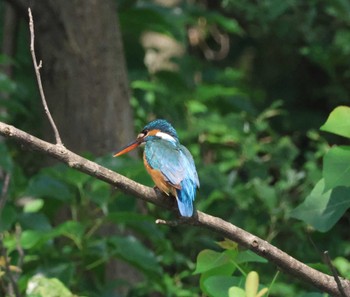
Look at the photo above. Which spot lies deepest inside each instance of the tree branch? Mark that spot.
(287, 263)
(328, 261)
(38, 78)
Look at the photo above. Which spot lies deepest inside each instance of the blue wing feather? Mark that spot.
(164, 156)
(191, 165)
(185, 197)
(175, 162)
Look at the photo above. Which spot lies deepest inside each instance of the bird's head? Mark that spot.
(156, 129)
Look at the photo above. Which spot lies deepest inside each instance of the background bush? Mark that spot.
(251, 119)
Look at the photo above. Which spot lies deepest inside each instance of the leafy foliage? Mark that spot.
(216, 269)
(249, 119)
(330, 198)
(323, 208)
(338, 122)
(42, 286)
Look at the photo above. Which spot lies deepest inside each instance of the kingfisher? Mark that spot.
(169, 163)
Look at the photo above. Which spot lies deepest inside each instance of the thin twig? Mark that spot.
(169, 223)
(328, 261)
(38, 78)
(12, 281)
(173, 223)
(3, 197)
(4, 191)
(19, 248)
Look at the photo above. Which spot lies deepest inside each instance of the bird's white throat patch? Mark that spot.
(165, 136)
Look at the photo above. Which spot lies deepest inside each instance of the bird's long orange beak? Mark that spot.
(128, 148)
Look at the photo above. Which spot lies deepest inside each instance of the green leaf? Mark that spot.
(314, 295)
(137, 20)
(148, 86)
(228, 244)
(73, 230)
(99, 192)
(249, 256)
(236, 292)
(8, 216)
(5, 160)
(208, 260)
(35, 221)
(43, 186)
(33, 205)
(218, 286)
(266, 192)
(68, 175)
(36, 238)
(195, 106)
(323, 209)
(228, 24)
(336, 167)
(133, 251)
(343, 266)
(338, 122)
(206, 92)
(30, 238)
(223, 270)
(138, 222)
(48, 287)
(212, 264)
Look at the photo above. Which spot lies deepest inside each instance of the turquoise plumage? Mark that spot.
(169, 163)
(175, 162)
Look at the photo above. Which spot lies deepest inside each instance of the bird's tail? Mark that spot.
(185, 197)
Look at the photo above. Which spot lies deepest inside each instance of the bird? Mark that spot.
(168, 162)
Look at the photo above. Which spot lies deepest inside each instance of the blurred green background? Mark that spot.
(247, 85)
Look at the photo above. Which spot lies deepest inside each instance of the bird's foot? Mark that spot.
(157, 189)
(174, 223)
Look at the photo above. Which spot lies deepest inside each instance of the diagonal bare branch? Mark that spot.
(284, 261)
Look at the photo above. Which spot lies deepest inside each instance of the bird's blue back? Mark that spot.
(175, 162)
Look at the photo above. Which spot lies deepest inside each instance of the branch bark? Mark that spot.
(281, 259)
(38, 78)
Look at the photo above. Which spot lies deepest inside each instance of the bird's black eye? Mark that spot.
(143, 134)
